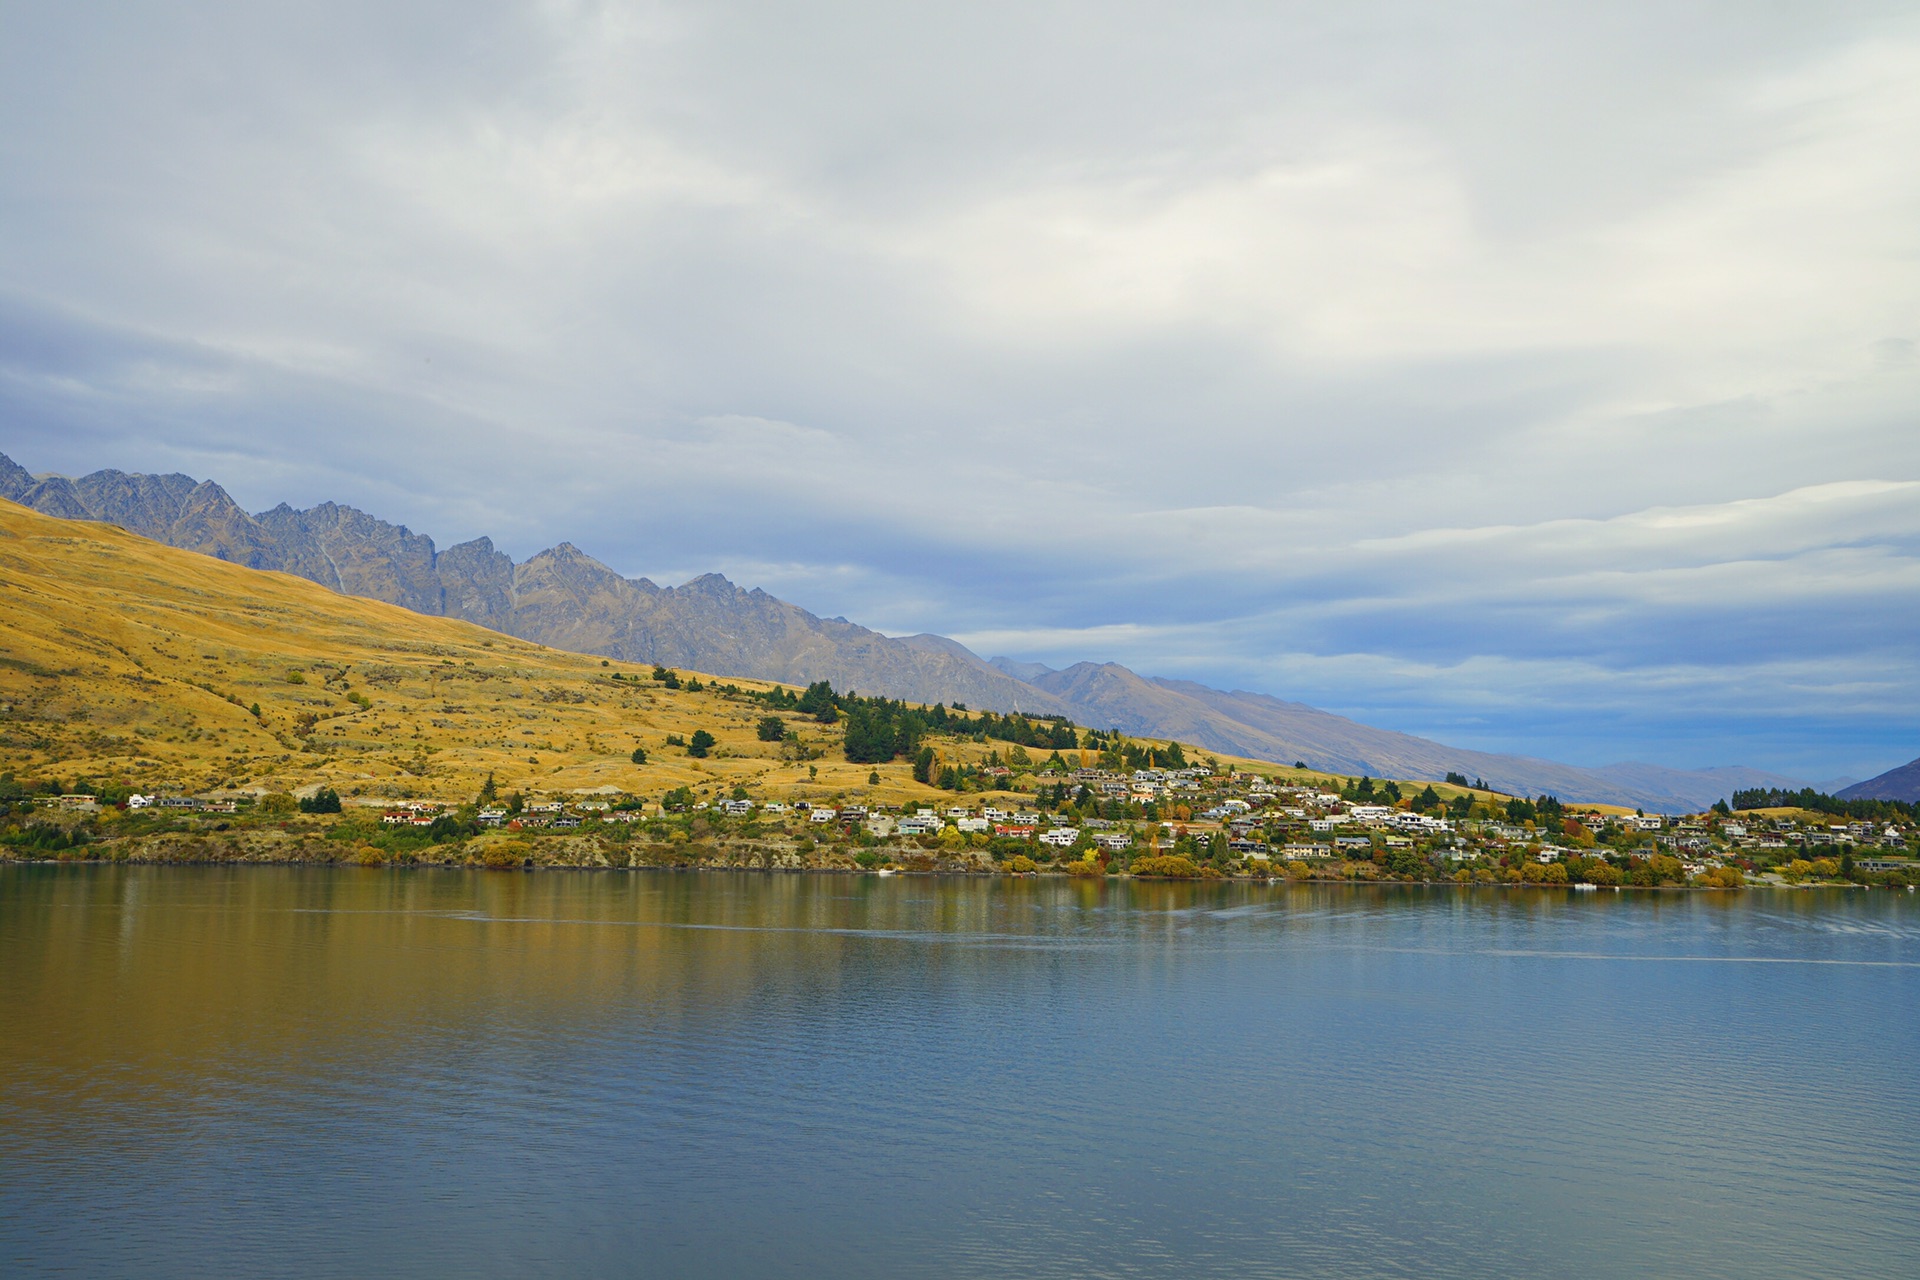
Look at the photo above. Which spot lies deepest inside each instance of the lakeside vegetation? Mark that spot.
(1062, 834)
(158, 705)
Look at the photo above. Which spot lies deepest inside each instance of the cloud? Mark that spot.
(1347, 352)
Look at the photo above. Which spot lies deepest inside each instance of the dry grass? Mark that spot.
(125, 661)
(122, 660)
(1808, 817)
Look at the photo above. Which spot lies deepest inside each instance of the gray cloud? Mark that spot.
(1536, 375)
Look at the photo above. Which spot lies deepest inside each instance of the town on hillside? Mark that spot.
(1028, 796)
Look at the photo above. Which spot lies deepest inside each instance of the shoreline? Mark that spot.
(840, 865)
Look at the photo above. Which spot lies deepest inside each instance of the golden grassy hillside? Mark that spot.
(123, 661)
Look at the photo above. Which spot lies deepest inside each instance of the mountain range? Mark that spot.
(564, 598)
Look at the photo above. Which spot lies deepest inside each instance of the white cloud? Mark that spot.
(1405, 339)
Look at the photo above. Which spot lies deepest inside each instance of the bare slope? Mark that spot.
(1895, 784)
(1698, 787)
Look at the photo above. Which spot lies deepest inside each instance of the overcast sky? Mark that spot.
(1534, 377)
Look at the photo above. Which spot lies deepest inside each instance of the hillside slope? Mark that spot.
(1902, 783)
(566, 599)
(1267, 728)
(561, 597)
(125, 661)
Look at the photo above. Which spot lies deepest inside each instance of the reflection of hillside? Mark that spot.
(145, 978)
(169, 972)
(172, 971)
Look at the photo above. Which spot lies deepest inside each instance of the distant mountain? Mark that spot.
(1028, 671)
(564, 598)
(1697, 788)
(1895, 784)
(1267, 728)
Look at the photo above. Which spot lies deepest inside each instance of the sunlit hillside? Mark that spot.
(123, 661)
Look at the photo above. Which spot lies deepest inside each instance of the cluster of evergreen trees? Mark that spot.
(1119, 754)
(880, 729)
(1546, 810)
(325, 800)
(1365, 792)
(1820, 802)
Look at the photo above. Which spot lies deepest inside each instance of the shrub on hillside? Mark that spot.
(505, 855)
(325, 800)
(1166, 867)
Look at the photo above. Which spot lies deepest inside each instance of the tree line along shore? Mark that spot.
(1169, 818)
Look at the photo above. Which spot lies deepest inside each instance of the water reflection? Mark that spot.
(318, 1071)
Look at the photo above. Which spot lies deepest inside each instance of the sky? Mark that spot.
(1536, 377)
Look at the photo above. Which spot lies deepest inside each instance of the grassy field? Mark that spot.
(125, 662)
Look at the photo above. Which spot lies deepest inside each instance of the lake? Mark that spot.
(264, 1071)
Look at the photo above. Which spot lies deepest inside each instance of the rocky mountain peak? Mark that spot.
(15, 479)
(715, 585)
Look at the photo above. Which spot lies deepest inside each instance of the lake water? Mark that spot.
(316, 1072)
